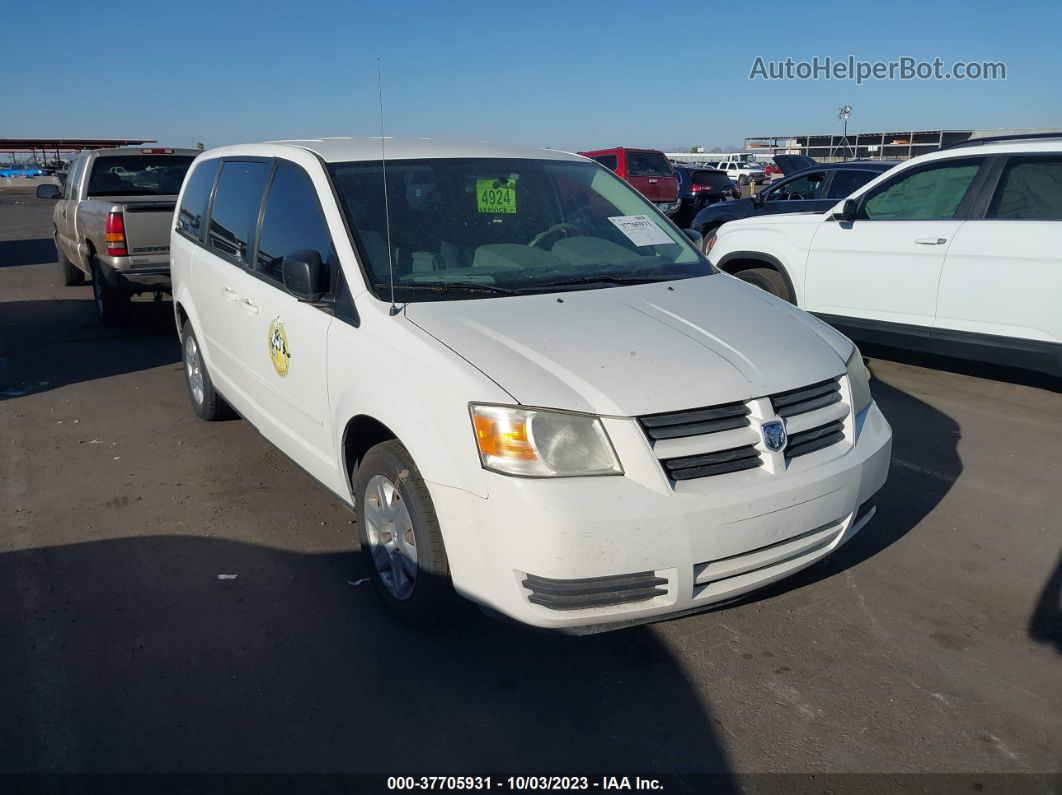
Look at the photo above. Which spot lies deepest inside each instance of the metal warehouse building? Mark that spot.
(901, 145)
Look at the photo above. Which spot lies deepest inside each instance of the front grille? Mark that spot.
(695, 421)
(594, 591)
(815, 439)
(717, 463)
(806, 398)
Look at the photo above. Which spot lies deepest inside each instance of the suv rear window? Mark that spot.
(648, 164)
(608, 161)
(138, 175)
(711, 179)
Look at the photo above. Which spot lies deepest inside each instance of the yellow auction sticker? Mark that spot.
(278, 347)
(496, 195)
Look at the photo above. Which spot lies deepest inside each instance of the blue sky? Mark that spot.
(568, 75)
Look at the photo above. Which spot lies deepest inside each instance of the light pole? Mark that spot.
(843, 113)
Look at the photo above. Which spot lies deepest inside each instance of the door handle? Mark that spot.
(931, 241)
(230, 294)
(249, 306)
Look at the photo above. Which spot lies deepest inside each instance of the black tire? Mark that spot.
(743, 179)
(112, 303)
(766, 279)
(432, 599)
(208, 405)
(72, 274)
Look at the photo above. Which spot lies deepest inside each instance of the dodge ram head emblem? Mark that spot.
(774, 435)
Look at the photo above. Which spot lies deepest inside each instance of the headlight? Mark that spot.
(543, 444)
(859, 378)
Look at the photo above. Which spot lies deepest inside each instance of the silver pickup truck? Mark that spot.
(113, 218)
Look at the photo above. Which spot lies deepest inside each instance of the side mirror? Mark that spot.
(48, 192)
(846, 211)
(757, 199)
(303, 274)
(695, 236)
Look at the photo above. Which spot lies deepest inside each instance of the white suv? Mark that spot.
(743, 172)
(533, 389)
(956, 252)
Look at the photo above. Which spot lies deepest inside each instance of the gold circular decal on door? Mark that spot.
(278, 347)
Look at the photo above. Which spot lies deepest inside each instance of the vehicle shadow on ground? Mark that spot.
(993, 372)
(49, 344)
(14, 253)
(1045, 624)
(925, 465)
(149, 663)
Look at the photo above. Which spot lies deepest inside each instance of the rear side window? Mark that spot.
(235, 211)
(1031, 188)
(647, 164)
(196, 196)
(138, 175)
(846, 182)
(929, 193)
(73, 178)
(608, 161)
(293, 222)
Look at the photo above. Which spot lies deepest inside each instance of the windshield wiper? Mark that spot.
(599, 278)
(481, 287)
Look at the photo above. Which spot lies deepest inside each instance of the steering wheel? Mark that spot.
(536, 241)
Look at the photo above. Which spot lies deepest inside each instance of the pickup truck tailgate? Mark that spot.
(147, 227)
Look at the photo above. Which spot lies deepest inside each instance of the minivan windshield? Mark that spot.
(138, 175)
(482, 227)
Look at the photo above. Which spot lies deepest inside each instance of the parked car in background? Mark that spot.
(742, 171)
(700, 188)
(772, 171)
(112, 222)
(648, 170)
(595, 428)
(20, 170)
(954, 252)
(809, 190)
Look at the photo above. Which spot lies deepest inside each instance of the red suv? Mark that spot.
(647, 170)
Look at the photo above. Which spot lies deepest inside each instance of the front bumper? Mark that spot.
(574, 552)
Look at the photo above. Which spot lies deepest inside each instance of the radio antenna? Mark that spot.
(387, 208)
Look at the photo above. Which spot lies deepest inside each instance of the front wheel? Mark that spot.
(768, 280)
(400, 533)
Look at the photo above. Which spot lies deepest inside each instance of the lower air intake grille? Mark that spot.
(815, 439)
(717, 463)
(594, 591)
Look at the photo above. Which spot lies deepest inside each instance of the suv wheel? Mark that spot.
(112, 304)
(400, 534)
(743, 179)
(206, 402)
(766, 279)
(72, 275)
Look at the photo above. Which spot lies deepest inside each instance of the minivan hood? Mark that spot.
(628, 351)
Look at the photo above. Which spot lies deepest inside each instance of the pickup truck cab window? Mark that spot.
(480, 228)
(234, 213)
(292, 222)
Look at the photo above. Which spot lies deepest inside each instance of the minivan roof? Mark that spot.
(339, 150)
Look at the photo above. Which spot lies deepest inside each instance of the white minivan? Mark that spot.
(534, 390)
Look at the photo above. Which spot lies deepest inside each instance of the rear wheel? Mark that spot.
(766, 279)
(206, 402)
(112, 303)
(743, 180)
(400, 533)
(72, 275)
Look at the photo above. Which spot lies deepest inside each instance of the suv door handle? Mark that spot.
(931, 241)
(249, 306)
(231, 294)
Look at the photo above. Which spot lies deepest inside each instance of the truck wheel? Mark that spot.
(400, 534)
(766, 279)
(206, 402)
(72, 274)
(743, 180)
(112, 304)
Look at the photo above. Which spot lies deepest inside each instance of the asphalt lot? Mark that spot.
(931, 642)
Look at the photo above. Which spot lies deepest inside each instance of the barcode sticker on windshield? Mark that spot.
(641, 230)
